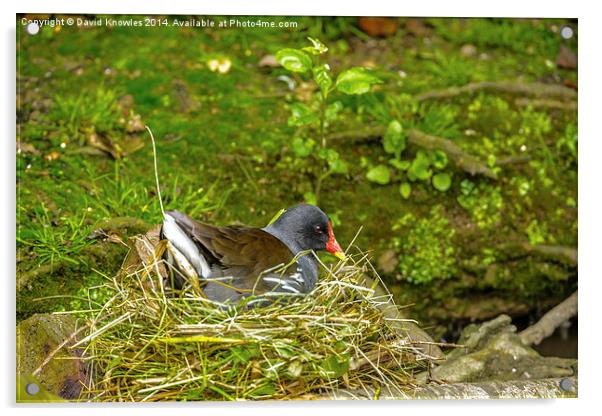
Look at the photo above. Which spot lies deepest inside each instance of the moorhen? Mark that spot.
(234, 262)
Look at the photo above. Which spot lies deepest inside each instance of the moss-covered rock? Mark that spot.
(493, 351)
(44, 357)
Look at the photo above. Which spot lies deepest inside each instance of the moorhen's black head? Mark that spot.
(305, 227)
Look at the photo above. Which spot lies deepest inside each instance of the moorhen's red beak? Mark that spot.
(332, 246)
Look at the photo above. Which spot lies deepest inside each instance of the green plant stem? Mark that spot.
(322, 120)
(319, 184)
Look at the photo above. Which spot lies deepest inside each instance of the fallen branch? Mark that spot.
(567, 254)
(548, 388)
(547, 103)
(513, 160)
(459, 157)
(546, 326)
(356, 136)
(535, 89)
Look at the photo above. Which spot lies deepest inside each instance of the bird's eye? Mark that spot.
(318, 229)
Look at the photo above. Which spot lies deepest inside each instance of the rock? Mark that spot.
(43, 357)
(494, 351)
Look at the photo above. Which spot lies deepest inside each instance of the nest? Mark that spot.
(149, 343)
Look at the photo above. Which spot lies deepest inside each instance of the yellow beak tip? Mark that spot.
(340, 255)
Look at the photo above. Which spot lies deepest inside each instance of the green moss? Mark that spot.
(425, 247)
(484, 202)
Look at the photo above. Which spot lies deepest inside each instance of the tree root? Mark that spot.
(25, 278)
(120, 225)
(550, 321)
(535, 89)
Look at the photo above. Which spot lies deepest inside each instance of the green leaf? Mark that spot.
(439, 159)
(302, 148)
(264, 390)
(419, 169)
(295, 368)
(323, 78)
(338, 166)
(310, 198)
(294, 60)
(333, 110)
(302, 115)
(245, 353)
(379, 174)
(113, 363)
(405, 189)
(335, 163)
(277, 215)
(467, 187)
(400, 164)
(394, 141)
(356, 80)
(317, 48)
(285, 351)
(335, 366)
(442, 181)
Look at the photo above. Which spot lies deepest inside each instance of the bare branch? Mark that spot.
(548, 104)
(459, 157)
(550, 321)
(535, 89)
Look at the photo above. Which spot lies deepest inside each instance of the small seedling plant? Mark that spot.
(316, 116)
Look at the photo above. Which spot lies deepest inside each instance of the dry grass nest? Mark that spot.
(148, 343)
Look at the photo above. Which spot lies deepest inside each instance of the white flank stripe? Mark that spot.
(282, 284)
(186, 246)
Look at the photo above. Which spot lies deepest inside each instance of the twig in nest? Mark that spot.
(536, 89)
(550, 321)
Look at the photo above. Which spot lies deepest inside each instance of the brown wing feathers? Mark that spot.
(236, 247)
